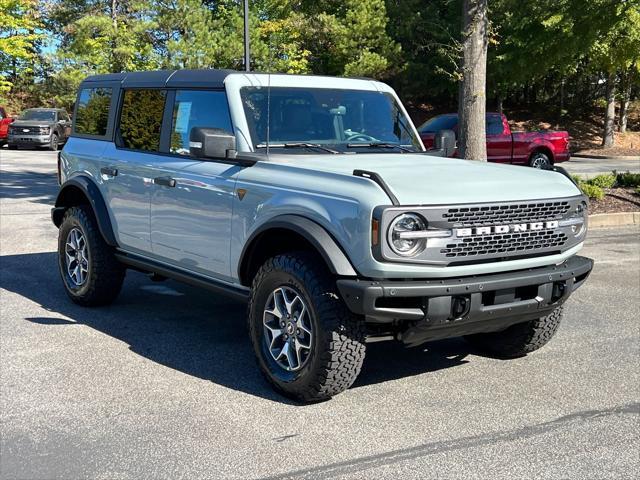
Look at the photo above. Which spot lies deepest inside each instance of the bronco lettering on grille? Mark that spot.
(517, 227)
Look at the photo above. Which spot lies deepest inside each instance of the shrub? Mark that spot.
(607, 180)
(628, 179)
(577, 179)
(592, 191)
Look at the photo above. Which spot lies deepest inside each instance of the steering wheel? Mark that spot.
(362, 137)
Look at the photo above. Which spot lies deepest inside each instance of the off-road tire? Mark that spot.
(105, 274)
(53, 143)
(519, 339)
(338, 347)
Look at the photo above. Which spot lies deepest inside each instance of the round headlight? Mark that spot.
(400, 240)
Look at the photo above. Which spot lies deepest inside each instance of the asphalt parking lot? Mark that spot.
(162, 384)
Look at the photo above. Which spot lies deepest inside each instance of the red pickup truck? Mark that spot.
(5, 120)
(536, 149)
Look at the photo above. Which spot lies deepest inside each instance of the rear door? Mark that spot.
(499, 142)
(128, 165)
(192, 199)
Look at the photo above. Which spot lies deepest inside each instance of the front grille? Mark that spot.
(505, 214)
(508, 244)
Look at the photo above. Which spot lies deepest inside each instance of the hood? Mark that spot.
(32, 123)
(417, 179)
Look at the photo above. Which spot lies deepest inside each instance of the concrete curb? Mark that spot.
(623, 219)
(605, 157)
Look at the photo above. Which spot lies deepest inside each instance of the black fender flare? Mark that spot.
(315, 234)
(94, 197)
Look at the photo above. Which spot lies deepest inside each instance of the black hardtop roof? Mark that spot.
(165, 78)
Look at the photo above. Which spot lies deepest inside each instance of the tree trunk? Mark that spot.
(499, 103)
(624, 103)
(609, 118)
(472, 143)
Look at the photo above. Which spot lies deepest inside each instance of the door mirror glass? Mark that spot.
(211, 143)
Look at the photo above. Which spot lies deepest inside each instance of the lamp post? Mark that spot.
(247, 54)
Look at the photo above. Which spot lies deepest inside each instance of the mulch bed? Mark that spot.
(616, 200)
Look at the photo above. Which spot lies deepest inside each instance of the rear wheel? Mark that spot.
(53, 143)
(521, 338)
(540, 160)
(90, 272)
(308, 344)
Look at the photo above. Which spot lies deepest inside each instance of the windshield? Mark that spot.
(342, 120)
(40, 115)
(442, 122)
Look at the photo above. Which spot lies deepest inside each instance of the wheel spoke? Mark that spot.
(275, 334)
(299, 347)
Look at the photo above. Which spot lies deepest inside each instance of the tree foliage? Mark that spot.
(18, 35)
(554, 51)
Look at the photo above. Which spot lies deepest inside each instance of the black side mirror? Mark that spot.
(211, 143)
(445, 140)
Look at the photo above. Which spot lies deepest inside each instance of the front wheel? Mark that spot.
(519, 339)
(309, 346)
(540, 160)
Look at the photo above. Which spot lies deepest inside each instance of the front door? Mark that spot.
(192, 199)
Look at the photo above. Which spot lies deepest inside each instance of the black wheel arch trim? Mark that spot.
(314, 233)
(94, 197)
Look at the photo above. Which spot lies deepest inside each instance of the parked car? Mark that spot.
(5, 120)
(40, 127)
(537, 149)
(312, 199)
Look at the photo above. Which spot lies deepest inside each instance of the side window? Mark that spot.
(197, 108)
(92, 114)
(494, 125)
(141, 119)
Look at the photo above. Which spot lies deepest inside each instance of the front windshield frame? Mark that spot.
(337, 119)
(38, 115)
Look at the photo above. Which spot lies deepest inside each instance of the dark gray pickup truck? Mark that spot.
(40, 127)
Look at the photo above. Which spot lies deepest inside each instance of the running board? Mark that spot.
(146, 265)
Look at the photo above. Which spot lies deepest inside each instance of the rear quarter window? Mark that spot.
(92, 111)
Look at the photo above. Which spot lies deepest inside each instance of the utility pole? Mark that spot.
(247, 54)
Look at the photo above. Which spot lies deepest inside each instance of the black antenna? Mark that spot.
(247, 53)
(268, 110)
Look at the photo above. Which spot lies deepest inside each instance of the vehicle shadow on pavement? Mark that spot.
(193, 330)
(37, 187)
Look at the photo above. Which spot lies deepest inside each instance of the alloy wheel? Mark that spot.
(76, 257)
(287, 328)
(540, 161)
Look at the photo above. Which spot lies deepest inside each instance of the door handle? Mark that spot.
(109, 171)
(165, 181)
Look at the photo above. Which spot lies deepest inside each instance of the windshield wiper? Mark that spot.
(379, 145)
(298, 145)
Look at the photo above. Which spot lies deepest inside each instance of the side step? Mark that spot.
(150, 266)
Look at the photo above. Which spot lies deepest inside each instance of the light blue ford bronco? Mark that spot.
(312, 199)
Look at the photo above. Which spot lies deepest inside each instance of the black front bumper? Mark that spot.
(458, 306)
